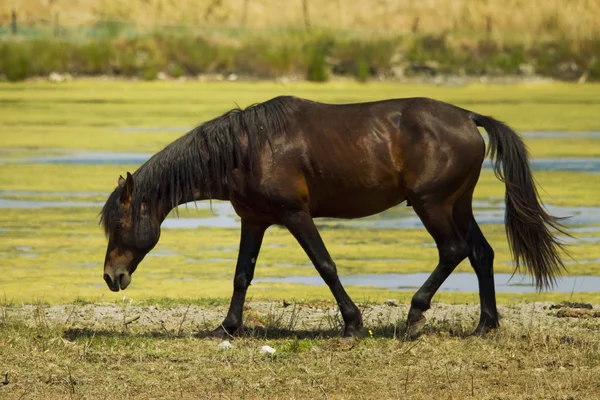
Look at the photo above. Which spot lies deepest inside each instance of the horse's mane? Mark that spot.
(203, 159)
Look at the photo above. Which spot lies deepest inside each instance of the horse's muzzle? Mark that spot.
(119, 282)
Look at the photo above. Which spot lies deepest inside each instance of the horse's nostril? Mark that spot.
(121, 277)
(107, 279)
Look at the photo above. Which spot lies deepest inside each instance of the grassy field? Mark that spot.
(161, 352)
(63, 334)
(65, 257)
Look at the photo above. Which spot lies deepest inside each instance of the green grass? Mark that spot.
(91, 114)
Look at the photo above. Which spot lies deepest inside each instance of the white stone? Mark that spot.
(224, 345)
(267, 350)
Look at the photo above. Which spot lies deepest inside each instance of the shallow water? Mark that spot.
(397, 218)
(224, 217)
(590, 165)
(560, 135)
(92, 158)
(457, 282)
(400, 217)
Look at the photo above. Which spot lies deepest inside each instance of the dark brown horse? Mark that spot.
(289, 160)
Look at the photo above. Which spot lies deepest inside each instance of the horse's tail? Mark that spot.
(528, 226)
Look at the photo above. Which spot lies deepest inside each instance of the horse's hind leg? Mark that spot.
(452, 247)
(301, 225)
(481, 256)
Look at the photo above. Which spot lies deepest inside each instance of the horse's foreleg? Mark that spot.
(452, 248)
(250, 242)
(301, 225)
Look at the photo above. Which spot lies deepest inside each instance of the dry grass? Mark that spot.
(572, 18)
(126, 351)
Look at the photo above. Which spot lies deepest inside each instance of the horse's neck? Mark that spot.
(166, 206)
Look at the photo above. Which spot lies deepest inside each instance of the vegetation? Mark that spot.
(391, 39)
(64, 335)
(44, 251)
(303, 54)
(160, 351)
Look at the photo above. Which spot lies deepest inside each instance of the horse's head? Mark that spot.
(132, 232)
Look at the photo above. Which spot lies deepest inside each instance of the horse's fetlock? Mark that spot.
(420, 303)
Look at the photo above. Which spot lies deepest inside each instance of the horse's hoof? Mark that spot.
(483, 329)
(224, 333)
(415, 326)
(352, 332)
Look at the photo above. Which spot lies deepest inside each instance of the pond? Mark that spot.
(456, 282)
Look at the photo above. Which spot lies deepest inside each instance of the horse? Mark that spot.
(289, 160)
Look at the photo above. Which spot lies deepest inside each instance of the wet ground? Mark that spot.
(589, 165)
(486, 212)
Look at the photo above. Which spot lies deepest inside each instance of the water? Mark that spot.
(561, 135)
(590, 165)
(406, 219)
(399, 217)
(457, 282)
(224, 218)
(91, 158)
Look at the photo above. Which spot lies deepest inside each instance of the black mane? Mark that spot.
(203, 159)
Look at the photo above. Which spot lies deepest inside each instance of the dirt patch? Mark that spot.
(571, 304)
(577, 313)
(290, 316)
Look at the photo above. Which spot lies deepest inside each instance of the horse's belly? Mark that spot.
(355, 204)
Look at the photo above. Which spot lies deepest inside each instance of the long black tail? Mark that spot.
(529, 227)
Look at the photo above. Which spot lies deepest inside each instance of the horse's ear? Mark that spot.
(121, 180)
(127, 190)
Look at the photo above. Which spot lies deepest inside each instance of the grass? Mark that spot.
(313, 55)
(94, 115)
(64, 335)
(64, 263)
(127, 350)
(259, 38)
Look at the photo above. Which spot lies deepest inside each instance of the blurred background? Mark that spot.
(301, 39)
